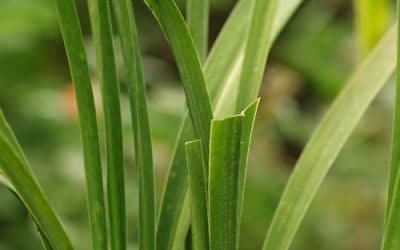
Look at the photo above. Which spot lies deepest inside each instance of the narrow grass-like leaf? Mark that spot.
(391, 232)
(197, 20)
(102, 35)
(72, 35)
(198, 195)
(327, 141)
(137, 95)
(224, 74)
(257, 49)
(222, 77)
(7, 132)
(173, 221)
(223, 183)
(395, 150)
(24, 184)
(189, 65)
(5, 182)
(247, 131)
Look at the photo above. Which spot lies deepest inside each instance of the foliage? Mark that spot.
(205, 191)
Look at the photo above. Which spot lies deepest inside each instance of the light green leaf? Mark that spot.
(140, 120)
(198, 194)
(222, 78)
(102, 35)
(327, 141)
(5, 182)
(72, 35)
(257, 50)
(198, 20)
(371, 20)
(223, 183)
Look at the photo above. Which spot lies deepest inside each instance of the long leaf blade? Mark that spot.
(72, 35)
(327, 140)
(173, 222)
(223, 184)
(257, 49)
(137, 96)
(189, 65)
(20, 179)
(102, 36)
(197, 20)
(392, 229)
(7, 132)
(222, 78)
(246, 135)
(198, 195)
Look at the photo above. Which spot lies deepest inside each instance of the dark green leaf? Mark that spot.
(222, 77)
(189, 65)
(72, 35)
(102, 36)
(198, 195)
(137, 96)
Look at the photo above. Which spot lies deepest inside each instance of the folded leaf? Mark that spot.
(247, 131)
(222, 79)
(223, 187)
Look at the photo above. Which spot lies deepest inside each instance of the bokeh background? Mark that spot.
(309, 64)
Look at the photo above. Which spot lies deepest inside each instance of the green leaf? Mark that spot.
(223, 184)
(19, 178)
(327, 141)
(102, 36)
(247, 131)
(140, 120)
(72, 35)
(371, 20)
(189, 65)
(392, 229)
(198, 195)
(5, 182)
(6, 130)
(222, 78)
(174, 220)
(257, 50)
(223, 75)
(198, 20)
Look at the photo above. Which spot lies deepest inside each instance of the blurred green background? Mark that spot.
(309, 64)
